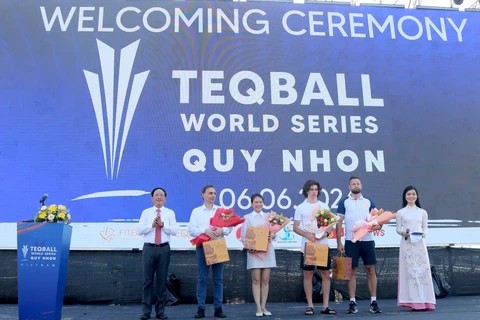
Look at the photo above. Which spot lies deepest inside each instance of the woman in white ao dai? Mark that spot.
(415, 287)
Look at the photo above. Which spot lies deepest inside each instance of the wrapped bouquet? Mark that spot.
(223, 218)
(377, 217)
(325, 218)
(320, 220)
(277, 221)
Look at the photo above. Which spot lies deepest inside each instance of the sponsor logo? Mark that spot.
(238, 233)
(378, 233)
(289, 235)
(107, 234)
(333, 235)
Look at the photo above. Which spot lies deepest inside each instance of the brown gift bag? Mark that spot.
(257, 238)
(342, 267)
(215, 251)
(315, 254)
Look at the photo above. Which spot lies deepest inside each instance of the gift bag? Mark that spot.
(257, 238)
(215, 251)
(342, 267)
(316, 254)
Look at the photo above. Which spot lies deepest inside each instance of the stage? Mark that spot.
(115, 277)
(466, 308)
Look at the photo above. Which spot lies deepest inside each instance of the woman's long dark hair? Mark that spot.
(404, 201)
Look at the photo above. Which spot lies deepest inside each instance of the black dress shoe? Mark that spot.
(200, 313)
(145, 316)
(161, 316)
(219, 313)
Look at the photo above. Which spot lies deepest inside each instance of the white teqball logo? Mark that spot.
(25, 251)
(116, 129)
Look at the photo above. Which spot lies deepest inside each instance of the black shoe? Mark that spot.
(145, 316)
(219, 313)
(374, 307)
(161, 316)
(200, 313)
(352, 308)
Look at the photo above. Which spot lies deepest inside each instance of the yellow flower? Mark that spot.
(52, 207)
(51, 217)
(61, 215)
(61, 207)
(42, 215)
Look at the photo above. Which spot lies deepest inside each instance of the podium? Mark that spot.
(42, 261)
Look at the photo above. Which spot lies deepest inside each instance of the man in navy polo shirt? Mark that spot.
(351, 209)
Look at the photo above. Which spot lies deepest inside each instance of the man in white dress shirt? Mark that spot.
(200, 223)
(156, 225)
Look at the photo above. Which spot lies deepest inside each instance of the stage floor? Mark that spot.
(455, 307)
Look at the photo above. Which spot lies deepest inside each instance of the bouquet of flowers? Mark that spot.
(53, 213)
(325, 218)
(320, 220)
(377, 217)
(223, 218)
(276, 221)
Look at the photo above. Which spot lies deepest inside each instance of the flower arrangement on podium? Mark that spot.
(376, 218)
(223, 218)
(320, 220)
(53, 214)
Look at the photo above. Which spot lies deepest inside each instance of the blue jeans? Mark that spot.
(202, 278)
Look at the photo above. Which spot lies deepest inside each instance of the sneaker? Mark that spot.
(374, 307)
(352, 308)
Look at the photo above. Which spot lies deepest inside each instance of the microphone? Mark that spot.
(42, 200)
(408, 231)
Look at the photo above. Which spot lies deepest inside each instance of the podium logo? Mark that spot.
(107, 234)
(118, 110)
(25, 251)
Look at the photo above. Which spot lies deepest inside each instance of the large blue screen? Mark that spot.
(104, 100)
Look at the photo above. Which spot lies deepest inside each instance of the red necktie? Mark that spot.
(158, 231)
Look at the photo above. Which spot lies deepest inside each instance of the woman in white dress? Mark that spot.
(259, 264)
(415, 287)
